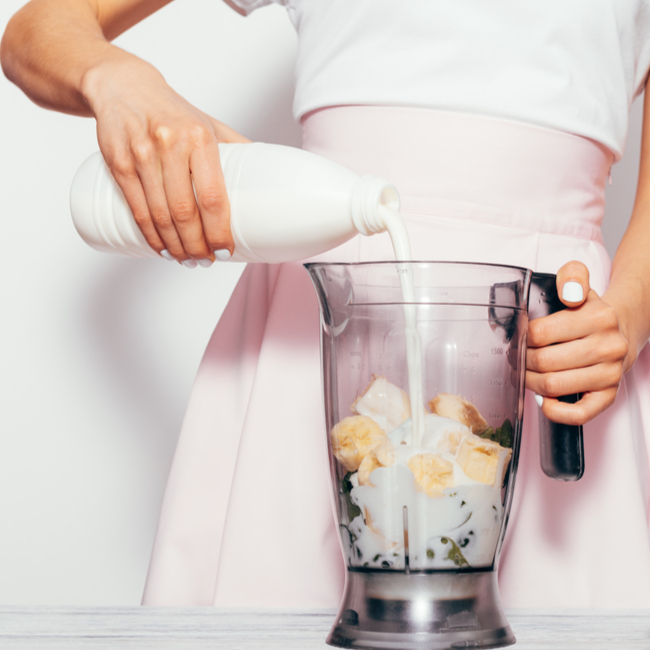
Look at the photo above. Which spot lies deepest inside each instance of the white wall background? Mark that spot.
(98, 353)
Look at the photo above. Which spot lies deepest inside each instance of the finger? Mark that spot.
(578, 380)
(225, 134)
(212, 199)
(183, 209)
(150, 174)
(131, 187)
(582, 352)
(584, 410)
(573, 283)
(594, 315)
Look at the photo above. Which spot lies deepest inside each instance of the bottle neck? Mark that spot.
(372, 199)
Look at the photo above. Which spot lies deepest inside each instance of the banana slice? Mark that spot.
(381, 456)
(354, 438)
(385, 403)
(459, 409)
(483, 460)
(432, 473)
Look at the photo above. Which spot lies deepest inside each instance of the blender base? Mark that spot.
(413, 611)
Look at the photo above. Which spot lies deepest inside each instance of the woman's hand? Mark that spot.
(578, 350)
(163, 153)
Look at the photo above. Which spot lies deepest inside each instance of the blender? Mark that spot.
(423, 445)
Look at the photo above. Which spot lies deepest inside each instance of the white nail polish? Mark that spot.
(190, 264)
(205, 263)
(572, 292)
(167, 255)
(222, 255)
(539, 399)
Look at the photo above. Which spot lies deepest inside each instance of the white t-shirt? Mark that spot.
(573, 65)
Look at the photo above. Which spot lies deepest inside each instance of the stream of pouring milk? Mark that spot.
(401, 245)
(400, 526)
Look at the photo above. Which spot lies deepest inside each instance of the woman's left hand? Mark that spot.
(578, 350)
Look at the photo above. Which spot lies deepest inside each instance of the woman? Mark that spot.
(498, 123)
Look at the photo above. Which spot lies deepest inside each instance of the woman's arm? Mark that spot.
(588, 347)
(159, 147)
(629, 289)
(49, 46)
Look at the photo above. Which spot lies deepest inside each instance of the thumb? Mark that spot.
(573, 283)
(225, 134)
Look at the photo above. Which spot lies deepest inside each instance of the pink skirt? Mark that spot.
(247, 517)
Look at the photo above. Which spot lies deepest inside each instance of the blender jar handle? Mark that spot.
(561, 448)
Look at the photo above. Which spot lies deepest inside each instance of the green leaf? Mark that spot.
(503, 435)
(352, 508)
(488, 433)
(506, 434)
(454, 553)
(469, 516)
(353, 537)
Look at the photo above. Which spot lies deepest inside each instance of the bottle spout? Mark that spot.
(372, 198)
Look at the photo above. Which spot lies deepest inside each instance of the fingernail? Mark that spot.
(205, 263)
(190, 264)
(572, 292)
(223, 255)
(167, 255)
(539, 399)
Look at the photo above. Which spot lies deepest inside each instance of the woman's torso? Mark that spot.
(573, 66)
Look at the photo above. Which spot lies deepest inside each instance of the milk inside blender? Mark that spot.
(423, 446)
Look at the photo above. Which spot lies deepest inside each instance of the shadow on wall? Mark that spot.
(121, 315)
(619, 196)
(275, 123)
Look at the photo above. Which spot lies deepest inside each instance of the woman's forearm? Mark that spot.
(629, 289)
(51, 46)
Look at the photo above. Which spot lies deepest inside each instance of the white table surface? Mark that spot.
(170, 628)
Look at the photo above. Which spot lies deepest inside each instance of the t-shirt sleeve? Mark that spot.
(248, 6)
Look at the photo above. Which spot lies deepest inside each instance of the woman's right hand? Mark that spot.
(163, 153)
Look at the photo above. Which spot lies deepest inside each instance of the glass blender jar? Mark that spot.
(423, 404)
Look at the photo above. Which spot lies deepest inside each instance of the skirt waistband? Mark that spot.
(473, 167)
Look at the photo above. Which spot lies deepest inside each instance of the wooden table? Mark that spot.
(171, 628)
